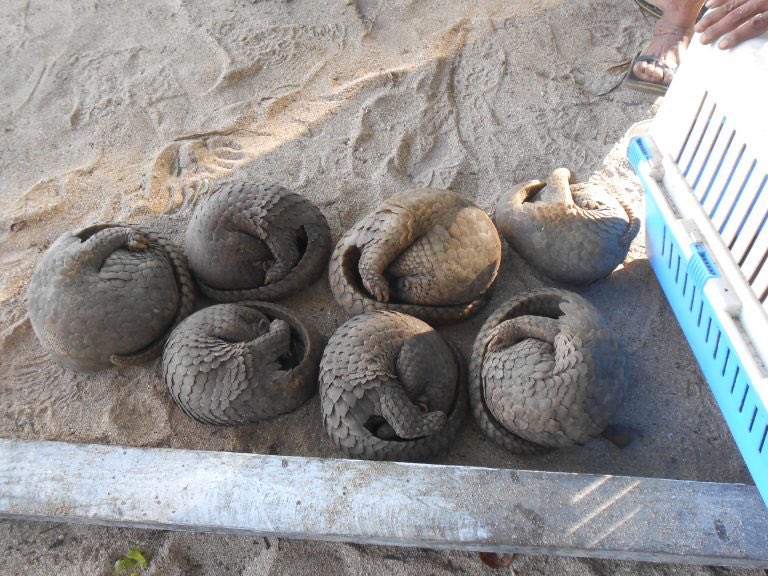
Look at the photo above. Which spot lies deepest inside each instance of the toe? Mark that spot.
(667, 75)
(138, 242)
(382, 295)
(653, 71)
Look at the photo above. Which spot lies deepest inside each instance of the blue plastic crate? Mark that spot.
(703, 164)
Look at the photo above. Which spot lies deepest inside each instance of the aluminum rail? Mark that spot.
(431, 506)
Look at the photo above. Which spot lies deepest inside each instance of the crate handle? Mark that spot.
(700, 266)
(642, 151)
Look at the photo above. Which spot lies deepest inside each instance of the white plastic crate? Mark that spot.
(703, 162)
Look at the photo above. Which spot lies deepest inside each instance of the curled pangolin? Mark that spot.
(574, 233)
(256, 241)
(428, 253)
(108, 295)
(546, 372)
(240, 363)
(391, 388)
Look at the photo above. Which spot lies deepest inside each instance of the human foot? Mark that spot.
(659, 61)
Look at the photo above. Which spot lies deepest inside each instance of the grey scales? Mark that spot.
(573, 233)
(108, 295)
(546, 372)
(429, 253)
(391, 388)
(256, 241)
(239, 363)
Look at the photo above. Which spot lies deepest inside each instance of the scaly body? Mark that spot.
(574, 233)
(239, 363)
(256, 241)
(390, 388)
(546, 372)
(108, 295)
(428, 253)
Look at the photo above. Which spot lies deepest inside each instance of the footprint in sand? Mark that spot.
(406, 131)
(183, 168)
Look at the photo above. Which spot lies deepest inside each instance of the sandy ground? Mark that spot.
(133, 111)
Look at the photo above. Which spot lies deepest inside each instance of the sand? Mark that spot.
(134, 111)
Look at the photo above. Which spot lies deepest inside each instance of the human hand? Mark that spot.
(739, 20)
